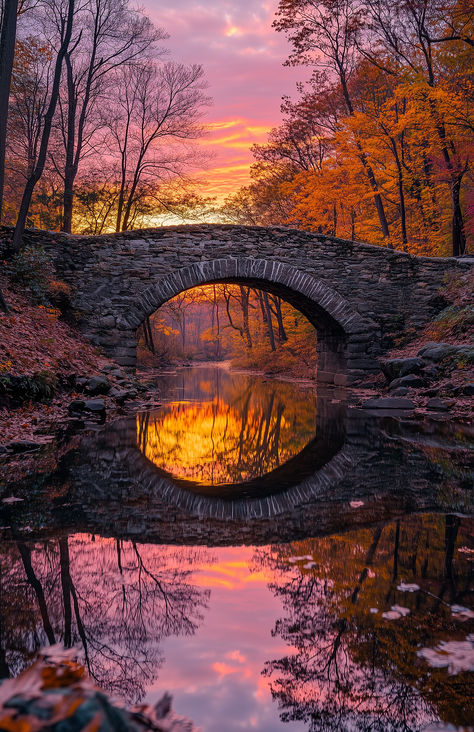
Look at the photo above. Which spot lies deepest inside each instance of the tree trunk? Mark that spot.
(183, 330)
(262, 305)
(401, 195)
(68, 193)
(7, 55)
(244, 302)
(149, 334)
(367, 167)
(25, 554)
(3, 304)
(37, 171)
(282, 337)
(377, 197)
(66, 590)
(457, 223)
(268, 317)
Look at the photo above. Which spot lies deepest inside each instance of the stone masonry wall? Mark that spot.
(360, 297)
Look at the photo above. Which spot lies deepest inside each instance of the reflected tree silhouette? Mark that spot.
(115, 600)
(244, 432)
(349, 668)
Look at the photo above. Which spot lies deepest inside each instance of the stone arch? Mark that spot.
(343, 334)
(320, 484)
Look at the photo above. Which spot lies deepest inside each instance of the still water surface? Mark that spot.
(270, 557)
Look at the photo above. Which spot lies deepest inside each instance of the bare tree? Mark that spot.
(64, 11)
(156, 104)
(7, 53)
(108, 35)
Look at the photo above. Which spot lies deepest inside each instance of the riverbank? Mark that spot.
(431, 372)
(53, 381)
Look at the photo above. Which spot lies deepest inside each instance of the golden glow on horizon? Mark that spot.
(231, 141)
(229, 439)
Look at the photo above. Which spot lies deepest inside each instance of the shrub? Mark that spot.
(33, 268)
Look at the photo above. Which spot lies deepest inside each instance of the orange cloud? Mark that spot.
(231, 141)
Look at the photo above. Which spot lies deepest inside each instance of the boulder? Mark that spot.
(81, 383)
(394, 368)
(401, 391)
(437, 352)
(77, 405)
(388, 403)
(96, 406)
(120, 395)
(98, 385)
(23, 446)
(431, 371)
(437, 405)
(410, 380)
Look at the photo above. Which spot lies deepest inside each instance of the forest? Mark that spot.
(100, 126)
(247, 326)
(100, 129)
(377, 146)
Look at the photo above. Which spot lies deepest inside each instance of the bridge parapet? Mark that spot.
(359, 297)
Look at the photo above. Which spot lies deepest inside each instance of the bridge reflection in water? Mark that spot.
(237, 436)
(169, 575)
(119, 481)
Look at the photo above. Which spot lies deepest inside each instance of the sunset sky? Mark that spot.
(243, 60)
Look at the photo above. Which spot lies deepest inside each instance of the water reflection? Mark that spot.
(116, 600)
(227, 428)
(354, 665)
(267, 608)
(293, 622)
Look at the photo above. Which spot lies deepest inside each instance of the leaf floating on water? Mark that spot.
(356, 504)
(456, 656)
(407, 587)
(462, 613)
(397, 611)
(306, 557)
(391, 615)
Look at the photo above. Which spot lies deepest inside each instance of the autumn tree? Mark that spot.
(325, 35)
(410, 40)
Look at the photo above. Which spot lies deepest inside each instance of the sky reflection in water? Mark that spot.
(261, 635)
(229, 428)
(223, 629)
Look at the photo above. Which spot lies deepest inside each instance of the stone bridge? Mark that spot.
(358, 297)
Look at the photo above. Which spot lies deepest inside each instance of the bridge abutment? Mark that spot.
(360, 298)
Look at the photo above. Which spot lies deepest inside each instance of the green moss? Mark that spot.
(40, 386)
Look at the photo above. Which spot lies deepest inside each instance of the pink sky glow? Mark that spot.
(243, 60)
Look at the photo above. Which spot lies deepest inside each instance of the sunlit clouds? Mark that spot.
(243, 60)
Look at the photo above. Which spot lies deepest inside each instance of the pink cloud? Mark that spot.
(243, 59)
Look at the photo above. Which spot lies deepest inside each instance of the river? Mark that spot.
(272, 557)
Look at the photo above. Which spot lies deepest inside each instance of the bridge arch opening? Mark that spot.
(342, 334)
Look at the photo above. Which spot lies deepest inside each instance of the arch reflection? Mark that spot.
(253, 437)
